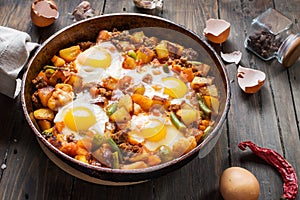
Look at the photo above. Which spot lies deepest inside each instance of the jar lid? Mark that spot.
(292, 53)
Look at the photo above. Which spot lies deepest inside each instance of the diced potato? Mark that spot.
(85, 142)
(31, 115)
(135, 165)
(153, 160)
(144, 102)
(139, 89)
(183, 145)
(166, 48)
(139, 157)
(43, 113)
(44, 124)
(145, 55)
(81, 158)
(75, 81)
(57, 77)
(44, 94)
(57, 61)
(126, 102)
(110, 83)
(138, 37)
(200, 82)
(70, 54)
(188, 116)
(212, 102)
(205, 69)
(126, 45)
(129, 63)
(202, 68)
(186, 106)
(121, 115)
(212, 90)
(162, 51)
(82, 151)
(103, 35)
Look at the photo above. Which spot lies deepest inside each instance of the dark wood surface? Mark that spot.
(270, 118)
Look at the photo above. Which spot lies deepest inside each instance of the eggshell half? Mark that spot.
(217, 30)
(43, 12)
(250, 80)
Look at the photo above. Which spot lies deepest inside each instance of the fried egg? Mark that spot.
(99, 61)
(154, 132)
(172, 136)
(80, 115)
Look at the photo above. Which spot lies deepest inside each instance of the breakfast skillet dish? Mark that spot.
(125, 101)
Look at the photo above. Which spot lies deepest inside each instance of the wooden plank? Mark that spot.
(139, 191)
(191, 14)
(252, 117)
(6, 106)
(288, 103)
(28, 169)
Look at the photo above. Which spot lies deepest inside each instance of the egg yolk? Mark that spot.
(172, 135)
(79, 118)
(174, 87)
(95, 57)
(154, 130)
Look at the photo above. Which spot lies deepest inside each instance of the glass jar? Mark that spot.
(271, 36)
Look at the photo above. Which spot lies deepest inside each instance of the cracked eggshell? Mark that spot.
(250, 80)
(43, 12)
(217, 30)
(233, 57)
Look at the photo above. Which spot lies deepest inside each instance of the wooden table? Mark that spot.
(270, 118)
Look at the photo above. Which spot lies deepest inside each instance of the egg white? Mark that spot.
(171, 137)
(83, 101)
(95, 74)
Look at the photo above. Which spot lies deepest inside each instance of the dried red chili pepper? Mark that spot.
(288, 174)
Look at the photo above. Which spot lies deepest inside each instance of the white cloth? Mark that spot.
(15, 48)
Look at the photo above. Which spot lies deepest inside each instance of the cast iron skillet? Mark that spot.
(88, 30)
